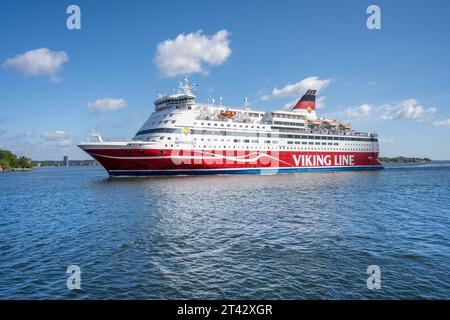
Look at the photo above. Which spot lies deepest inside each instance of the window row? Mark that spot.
(257, 134)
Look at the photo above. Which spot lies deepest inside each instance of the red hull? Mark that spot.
(157, 161)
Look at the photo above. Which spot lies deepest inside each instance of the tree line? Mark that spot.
(9, 160)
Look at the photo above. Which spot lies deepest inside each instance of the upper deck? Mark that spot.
(181, 110)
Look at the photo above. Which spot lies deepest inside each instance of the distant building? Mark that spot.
(66, 161)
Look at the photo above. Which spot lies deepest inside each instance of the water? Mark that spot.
(295, 236)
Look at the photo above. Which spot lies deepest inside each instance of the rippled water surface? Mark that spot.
(295, 236)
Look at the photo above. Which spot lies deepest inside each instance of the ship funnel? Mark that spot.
(307, 101)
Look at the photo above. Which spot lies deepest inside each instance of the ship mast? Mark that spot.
(186, 88)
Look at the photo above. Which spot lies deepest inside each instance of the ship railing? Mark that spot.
(343, 133)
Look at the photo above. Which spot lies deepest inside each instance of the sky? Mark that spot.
(56, 83)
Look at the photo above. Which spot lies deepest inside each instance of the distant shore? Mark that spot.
(15, 169)
(404, 160)
(60, 163)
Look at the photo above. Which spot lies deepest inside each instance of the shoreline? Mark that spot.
(16, 170)
(401, 159)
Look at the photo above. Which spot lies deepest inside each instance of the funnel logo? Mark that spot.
(309, 109)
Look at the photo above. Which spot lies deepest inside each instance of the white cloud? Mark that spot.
(58, 136)
(38, 62)
(192, 53)
(53, 135)
(298, 88)
(362, 111)
(106, 104)
(406, 109)
(387, 110)
(410, 109)
(444, 122)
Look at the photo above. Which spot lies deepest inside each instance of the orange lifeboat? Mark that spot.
(346, 125)
(332, 123)
(315, 121)
(227, 114)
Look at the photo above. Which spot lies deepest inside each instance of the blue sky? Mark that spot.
(394, 81)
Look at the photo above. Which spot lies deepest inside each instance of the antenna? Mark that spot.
(186, 88)
(245, 103)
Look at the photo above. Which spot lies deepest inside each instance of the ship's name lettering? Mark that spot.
(317, 160)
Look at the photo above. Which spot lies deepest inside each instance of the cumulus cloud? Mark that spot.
(38, 62)
(410, 109)
(406, 109)
(443, 123)
(106, 104)
(362, 111)
(298, 88)
(53, 135)
(192, 53)
(59, 137)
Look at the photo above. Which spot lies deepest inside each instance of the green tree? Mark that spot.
(9, 160)
(9, 157)
(24, 162)
(4, 165)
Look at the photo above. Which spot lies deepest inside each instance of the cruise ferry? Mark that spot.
(183, 137)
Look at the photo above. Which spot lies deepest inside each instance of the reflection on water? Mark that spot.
(304, 235)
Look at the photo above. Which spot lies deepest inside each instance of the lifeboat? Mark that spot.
(315, 121)
(346, 125)
(227, 114)
(332, 123)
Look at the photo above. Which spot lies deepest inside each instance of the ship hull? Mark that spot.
(151, 162)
